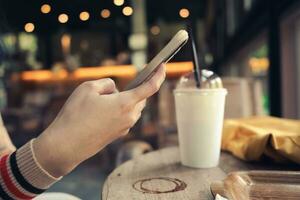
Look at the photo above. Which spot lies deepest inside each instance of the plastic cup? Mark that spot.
(199, 116)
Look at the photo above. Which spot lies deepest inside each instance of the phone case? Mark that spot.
(176, 43)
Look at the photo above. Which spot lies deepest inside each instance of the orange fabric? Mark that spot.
(251, 138)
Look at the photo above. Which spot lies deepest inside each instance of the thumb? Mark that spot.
(150, 87)
(105, 86)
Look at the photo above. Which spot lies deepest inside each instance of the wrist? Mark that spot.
(51, 157)
(24, 160)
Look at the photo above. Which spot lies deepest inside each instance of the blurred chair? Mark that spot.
(244, 98)
(166, 104)
(166, 123)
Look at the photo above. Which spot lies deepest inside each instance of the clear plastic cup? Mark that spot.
(199, 116)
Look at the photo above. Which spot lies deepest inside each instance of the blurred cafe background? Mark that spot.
(50, 47)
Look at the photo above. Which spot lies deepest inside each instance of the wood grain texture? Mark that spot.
(166, 163)
(162, 163)
(259, 185)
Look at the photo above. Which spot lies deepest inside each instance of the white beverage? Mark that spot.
(199, 115)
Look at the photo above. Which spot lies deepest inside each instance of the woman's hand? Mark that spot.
(93, 116)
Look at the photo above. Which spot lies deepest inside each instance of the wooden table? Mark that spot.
(159, 175)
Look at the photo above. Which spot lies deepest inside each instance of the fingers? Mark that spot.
(148, 88)
(102, 86)
(125, 131)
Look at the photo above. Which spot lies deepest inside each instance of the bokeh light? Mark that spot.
(127, 11)
(45, 8)
(29, 27)
(155, 30)
(63, 18)
(184, 13)
(105, 13)
(84, 16)
(118, 2)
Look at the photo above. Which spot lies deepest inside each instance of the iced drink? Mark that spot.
(199, 115)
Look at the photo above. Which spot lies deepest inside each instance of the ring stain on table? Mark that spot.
(131, 179)
(175, 185)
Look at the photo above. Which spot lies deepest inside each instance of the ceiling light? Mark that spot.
(118, 2)
(29, 27)
(63, 18)
(84, 16)
(45, 8)
(105, 13)
(127, 11)
(184, 13)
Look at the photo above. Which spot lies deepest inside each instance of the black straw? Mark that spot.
(197, 70)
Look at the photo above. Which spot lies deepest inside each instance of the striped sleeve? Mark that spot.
(21, 176)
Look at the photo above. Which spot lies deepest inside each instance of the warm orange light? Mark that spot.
(155, 30)
(29, 27)
(63, 18)
(122, 71)
(43, 75)
(259, 65)
(66, 43)
(84, 16)
(184, 13)
(118, 2)
(177, 69)
(87, 73)
(105, 13)
(45, 8)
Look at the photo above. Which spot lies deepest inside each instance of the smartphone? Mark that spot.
(175, 44)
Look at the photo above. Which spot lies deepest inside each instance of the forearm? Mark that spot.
(21, 175)
(6, 146)
(55, 153)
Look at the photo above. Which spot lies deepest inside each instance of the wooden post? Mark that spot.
(274, 57)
